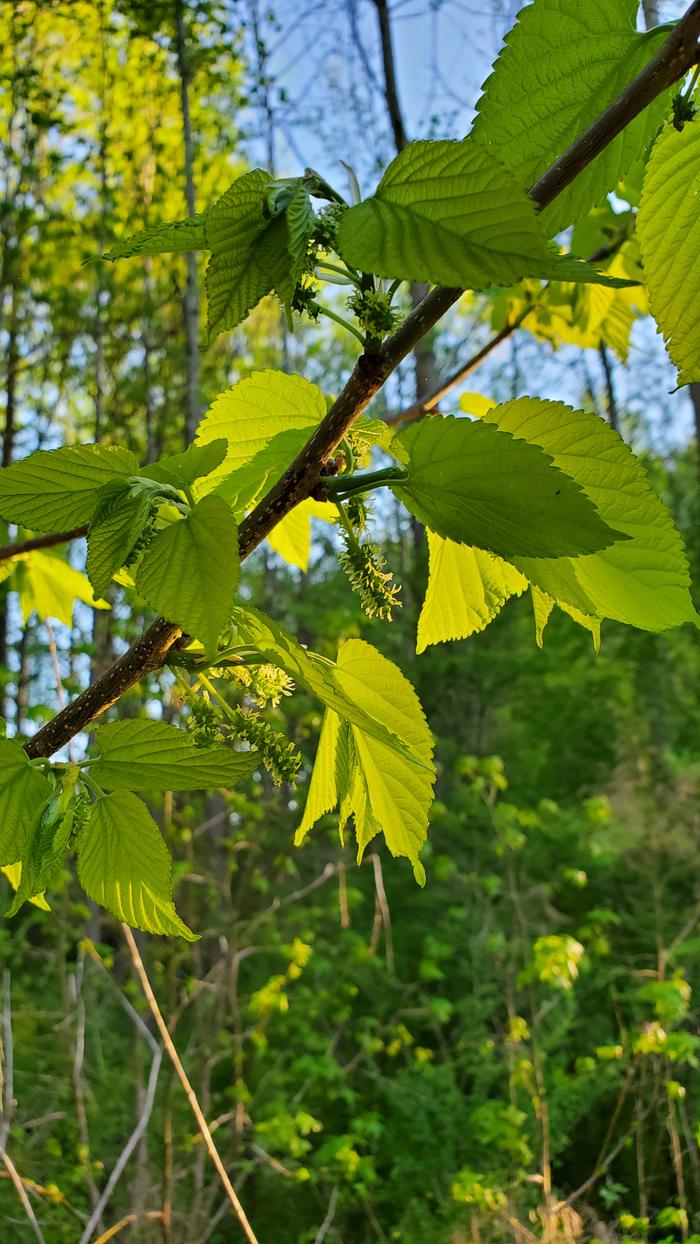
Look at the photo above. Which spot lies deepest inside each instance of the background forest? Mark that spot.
(377, 1062)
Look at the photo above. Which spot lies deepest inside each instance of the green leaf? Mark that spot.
(145, 755)
(56, 489)
(563, 62)
(23, 790)
(543, 605)
(181, 470)
(300, 222)
(382, 790)
(165, 238)
(114, 531)
(190, 571)
(46, 849)
(253, 253)
(249, 416)
(466, 589)
(124, 865)
(669, 233)
(235, 280)
(495, 492)
(326, 787)
(291, 538)
(13, 872)
(46, 583)
(449, 213)
(642, 580)
(320, 676)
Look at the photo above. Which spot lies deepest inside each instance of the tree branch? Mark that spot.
(678, 54)
(40, 542)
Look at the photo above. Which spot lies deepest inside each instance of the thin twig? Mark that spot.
(146, 1111)
(154, 1215)
(40, 542)
(328, 1220)
(21, 1193)
(189, 1091)
(384, 909)
(78, 1089)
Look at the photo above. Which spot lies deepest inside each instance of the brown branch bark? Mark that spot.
(41, 542)
(678, 54)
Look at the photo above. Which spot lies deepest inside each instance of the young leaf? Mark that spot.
(319, 676)
(124, 865)
(249, 416)
(563, 62)
(253, 253)
(383, 792)
(190, 571)
(495, 492)
(46, 849)
(181, 470)
(643, 580)
(165, 238)
(23, 791)
(449, 213)
(47, 584)
(56, 489)
(144, 755)
(466, 589)
(235, 282)
(669, 233)
(113, 533)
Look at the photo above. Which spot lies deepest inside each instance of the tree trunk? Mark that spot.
(190, 305)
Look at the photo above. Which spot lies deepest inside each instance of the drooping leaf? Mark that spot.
(449, 213)
(542, 606)
(383, 792)
(113, 533)
(45, 850)
(503, 495)
(144, 755)
(56, 489)
(23, 791)
(642, 580)
(253, 253)
(563, 62)
(190, 572)
(235, 282)
(318, 675)
(48, 584)
(124, 865)
(300, 221)
(669, 233)
(325, 790)
(165, 238)
(13, 872)
(181, 470)
(250, 415)
(466, 589)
